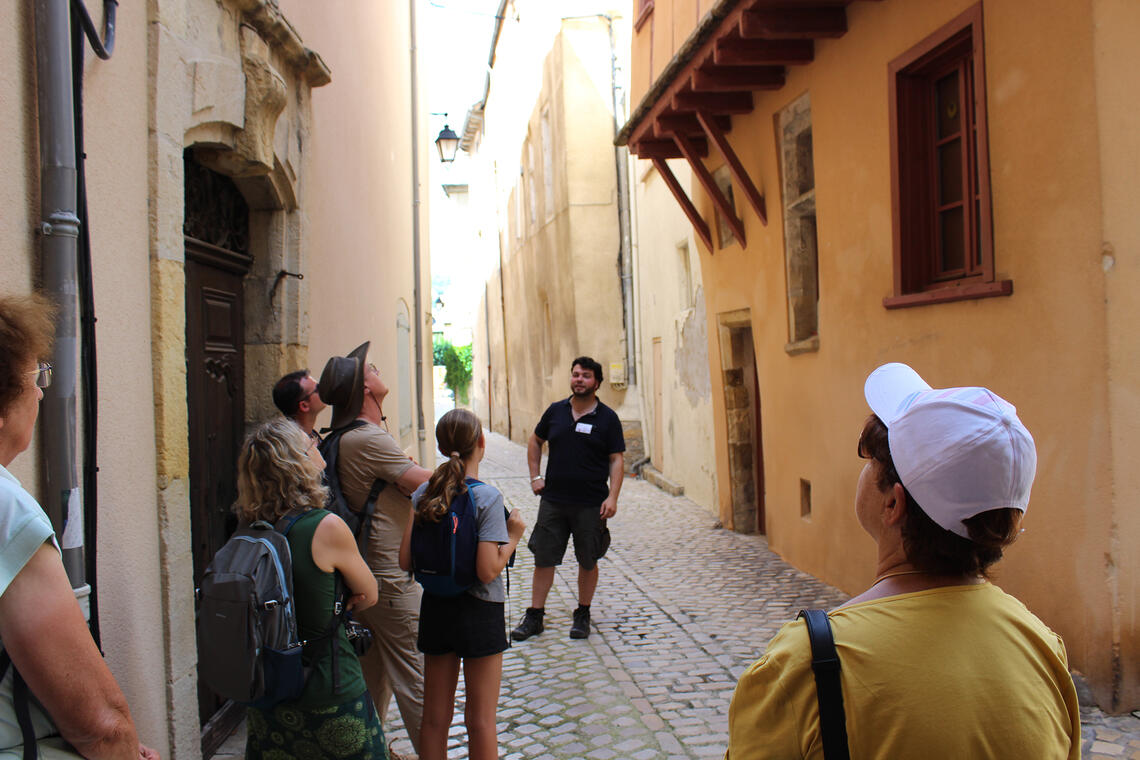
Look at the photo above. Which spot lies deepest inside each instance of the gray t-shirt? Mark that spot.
(490, 525)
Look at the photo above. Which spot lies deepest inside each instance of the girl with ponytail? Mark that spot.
(469, 628)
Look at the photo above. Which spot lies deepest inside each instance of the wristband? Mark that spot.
(537, 477)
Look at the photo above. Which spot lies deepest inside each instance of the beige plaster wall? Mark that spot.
(673, 311)
(115, 95)
(358, 195)
(19, 168)
(129, 577)
(1046, 347)
(560, 278)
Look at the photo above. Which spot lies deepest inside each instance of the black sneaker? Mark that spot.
(580, 628)
(531, 625)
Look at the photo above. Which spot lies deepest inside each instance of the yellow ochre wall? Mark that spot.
(1063, 164)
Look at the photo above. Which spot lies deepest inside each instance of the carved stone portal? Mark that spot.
(265, 97)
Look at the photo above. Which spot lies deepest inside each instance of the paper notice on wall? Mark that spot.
(73, 526)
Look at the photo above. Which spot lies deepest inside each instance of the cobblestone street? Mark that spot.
(681, 609)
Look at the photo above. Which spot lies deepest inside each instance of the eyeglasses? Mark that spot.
(43, 375)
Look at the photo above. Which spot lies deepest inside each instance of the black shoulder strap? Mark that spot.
(366, 514)
(825, 666)
(330, 450)
(20, 703)
(288, 520)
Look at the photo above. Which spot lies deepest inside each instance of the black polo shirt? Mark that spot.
(578, 468)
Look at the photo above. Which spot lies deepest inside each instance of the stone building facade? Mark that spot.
(951, 185)
(227, 249)
(544, 137)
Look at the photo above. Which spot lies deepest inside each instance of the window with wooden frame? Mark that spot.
(723, 179)
(801, 244)
(940, 178)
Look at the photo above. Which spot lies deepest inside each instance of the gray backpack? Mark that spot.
(248, 644)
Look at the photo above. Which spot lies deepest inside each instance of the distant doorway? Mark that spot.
(742, 421)
(216, 231)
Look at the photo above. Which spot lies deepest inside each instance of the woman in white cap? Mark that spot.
(934, 660)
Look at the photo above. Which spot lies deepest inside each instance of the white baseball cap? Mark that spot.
(958, 451)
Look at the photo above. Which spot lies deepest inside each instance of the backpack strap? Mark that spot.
(339, 616)
(366, 514)
(330, 451)
(825, 667)
(286, 522)
(20, 702)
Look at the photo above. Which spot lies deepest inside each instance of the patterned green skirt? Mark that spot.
(350, 730)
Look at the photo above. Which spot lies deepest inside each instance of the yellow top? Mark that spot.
(952, 672)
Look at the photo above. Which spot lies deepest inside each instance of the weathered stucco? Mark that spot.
(560, 275)
(671, 313)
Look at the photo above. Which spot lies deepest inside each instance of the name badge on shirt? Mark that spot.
(583, 427)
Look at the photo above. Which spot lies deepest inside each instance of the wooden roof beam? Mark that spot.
(687, 124)
(733, 51)
(718, 102)
(705, 177)
(700, 226)
(793, 23)
(667, 148)
(743, 180)
(736, 78)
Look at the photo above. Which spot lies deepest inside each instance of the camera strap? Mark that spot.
(825, 667)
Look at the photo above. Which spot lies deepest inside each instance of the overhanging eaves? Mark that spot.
(739, 47)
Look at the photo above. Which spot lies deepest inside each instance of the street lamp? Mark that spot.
(448, 144)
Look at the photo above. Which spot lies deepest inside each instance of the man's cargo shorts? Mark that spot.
(557, 522)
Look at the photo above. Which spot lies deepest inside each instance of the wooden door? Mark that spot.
(216, 236)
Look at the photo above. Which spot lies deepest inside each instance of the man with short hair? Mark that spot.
(586, 445)
(367, 454)
(297, 398)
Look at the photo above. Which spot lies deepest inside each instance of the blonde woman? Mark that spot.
(279, 472)
(471, 627)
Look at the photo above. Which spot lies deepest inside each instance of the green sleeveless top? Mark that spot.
(313, 591)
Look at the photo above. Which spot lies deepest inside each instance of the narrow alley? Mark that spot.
(682, 608)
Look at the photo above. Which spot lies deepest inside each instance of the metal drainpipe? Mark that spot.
(624, 250)
(417, 295)
(59, 230)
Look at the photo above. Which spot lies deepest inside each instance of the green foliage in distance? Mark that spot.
(457, 362)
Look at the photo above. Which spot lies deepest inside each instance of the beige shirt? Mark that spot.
(367, 453)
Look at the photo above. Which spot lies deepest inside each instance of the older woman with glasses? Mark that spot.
(46, 647)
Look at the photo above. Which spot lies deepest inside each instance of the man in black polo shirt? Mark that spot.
(586, 445)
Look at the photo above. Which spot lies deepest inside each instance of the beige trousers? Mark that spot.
(393, 665)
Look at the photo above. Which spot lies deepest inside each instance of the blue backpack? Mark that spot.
(443, 553)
